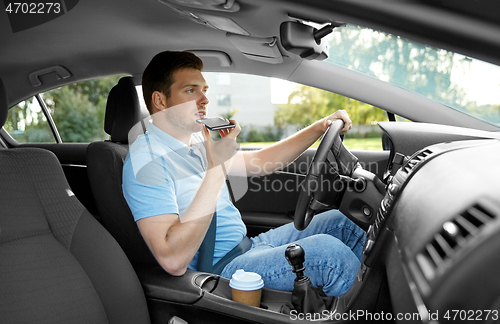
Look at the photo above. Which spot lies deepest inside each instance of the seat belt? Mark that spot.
(207, 247)
(206, 251)
(242, 247)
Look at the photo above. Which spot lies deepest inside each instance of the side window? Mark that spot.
(77, 111)
(224, 100)
(26, 123)
(270, 109)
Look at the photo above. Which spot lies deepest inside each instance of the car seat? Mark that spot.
(57, 263)
(105, 165)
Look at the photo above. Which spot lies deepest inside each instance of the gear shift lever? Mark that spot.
(305, 298)
(294, 254)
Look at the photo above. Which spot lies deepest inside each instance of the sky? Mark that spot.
(280, 90)
(483, 83)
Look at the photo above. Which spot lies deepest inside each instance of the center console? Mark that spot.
(206, 298)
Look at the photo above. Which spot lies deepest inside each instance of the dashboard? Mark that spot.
(437, 228)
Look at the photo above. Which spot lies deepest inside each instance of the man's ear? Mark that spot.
(158, 101)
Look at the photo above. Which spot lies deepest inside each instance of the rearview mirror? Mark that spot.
(300, 39)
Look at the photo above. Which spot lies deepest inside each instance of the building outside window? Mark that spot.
(224, 100)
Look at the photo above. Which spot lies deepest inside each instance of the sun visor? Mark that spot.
(188, 9)
(263, 49)
(223, 59)
(212, 21)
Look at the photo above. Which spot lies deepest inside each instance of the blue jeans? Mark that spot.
(333, 247)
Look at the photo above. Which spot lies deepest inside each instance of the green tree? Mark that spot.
(254, 135)
(97, 92)
(26, 123)
(16, 119)
(230, 113)
(306, 105)
(77, 119)
(78, 109)
(421, 68)
(269, 134)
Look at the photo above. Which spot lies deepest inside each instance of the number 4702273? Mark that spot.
(471, 315)
(33, 8)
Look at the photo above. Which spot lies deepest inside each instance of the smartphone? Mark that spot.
(215, 123)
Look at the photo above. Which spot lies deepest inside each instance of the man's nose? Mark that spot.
(204, 99)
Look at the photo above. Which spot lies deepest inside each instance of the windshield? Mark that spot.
(463, 83)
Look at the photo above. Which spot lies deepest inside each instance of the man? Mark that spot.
(174, 180)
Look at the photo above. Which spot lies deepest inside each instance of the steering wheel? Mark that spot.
(313, 197)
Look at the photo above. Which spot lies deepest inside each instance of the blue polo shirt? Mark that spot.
(161, 176)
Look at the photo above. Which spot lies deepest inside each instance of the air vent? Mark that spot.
(454, 236)
(416, 159)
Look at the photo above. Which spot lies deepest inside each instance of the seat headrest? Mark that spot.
(123, 110)
(4, 104)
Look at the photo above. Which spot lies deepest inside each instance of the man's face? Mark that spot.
(189, 85)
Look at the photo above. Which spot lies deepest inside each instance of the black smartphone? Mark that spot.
(215, 123)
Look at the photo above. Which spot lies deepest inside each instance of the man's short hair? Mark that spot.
(159, 74)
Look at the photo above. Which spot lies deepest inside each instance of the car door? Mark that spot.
(64, 121)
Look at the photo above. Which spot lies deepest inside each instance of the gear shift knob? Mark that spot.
(305, 298)
(294, 254)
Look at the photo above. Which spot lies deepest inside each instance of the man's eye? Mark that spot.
(205, 91)
(190, 90)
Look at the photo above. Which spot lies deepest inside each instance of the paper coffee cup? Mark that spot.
(246, 287)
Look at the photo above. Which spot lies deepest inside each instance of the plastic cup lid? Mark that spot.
(242, 280)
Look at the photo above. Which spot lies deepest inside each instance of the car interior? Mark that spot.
(429, 201)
